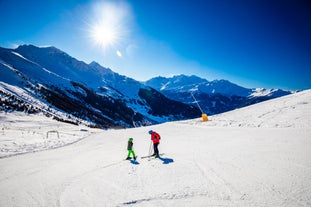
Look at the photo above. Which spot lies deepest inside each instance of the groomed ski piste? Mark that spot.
(255, 156)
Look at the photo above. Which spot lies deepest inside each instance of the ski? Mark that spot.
(148, 156)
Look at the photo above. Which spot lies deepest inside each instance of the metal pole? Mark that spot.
(150, 151)
(197, 102)
(150, 148)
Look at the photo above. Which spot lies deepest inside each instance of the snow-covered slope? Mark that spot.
(24, 133)
(287, 111)
(255, 156)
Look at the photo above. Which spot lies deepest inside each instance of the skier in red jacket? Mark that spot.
(155, 138)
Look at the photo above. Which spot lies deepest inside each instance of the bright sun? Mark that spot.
(104, 35)
(107, 27)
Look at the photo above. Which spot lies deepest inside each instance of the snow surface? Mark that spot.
(255, 156)
(21, 133)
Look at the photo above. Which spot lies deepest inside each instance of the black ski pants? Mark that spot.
(155, 148)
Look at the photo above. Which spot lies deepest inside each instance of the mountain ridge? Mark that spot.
(215, 96)
(107, 99)
(87, 91)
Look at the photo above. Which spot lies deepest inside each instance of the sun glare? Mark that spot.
(104, 35)
(108, 25)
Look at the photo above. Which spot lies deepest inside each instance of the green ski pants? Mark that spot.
(131, 152)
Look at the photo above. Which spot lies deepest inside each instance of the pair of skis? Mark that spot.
(151, 153)
(150, 156)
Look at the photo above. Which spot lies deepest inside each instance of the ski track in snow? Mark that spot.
(256, 156)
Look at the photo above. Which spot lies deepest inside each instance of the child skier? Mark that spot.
(130, 149)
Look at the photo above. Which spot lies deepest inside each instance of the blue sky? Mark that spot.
(253, 43)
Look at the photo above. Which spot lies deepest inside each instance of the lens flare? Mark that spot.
(119, 54)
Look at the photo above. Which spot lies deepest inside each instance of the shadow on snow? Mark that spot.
(166, 160)
(134, 162)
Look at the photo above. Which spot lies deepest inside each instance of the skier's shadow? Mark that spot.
(134, 162)
(166, 160)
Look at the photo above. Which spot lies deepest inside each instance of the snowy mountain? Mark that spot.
(48, 80)
(254, 156)
(214, 97)
(183, 83)
(57, 82)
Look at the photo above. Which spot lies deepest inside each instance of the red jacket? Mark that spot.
(155, 137)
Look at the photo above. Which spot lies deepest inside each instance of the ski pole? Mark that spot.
(150, 148)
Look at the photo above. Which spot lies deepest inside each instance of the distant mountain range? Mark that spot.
(46, 79)
(213, 97)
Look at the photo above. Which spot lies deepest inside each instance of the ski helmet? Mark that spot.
(131, 139)
(150, 132)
